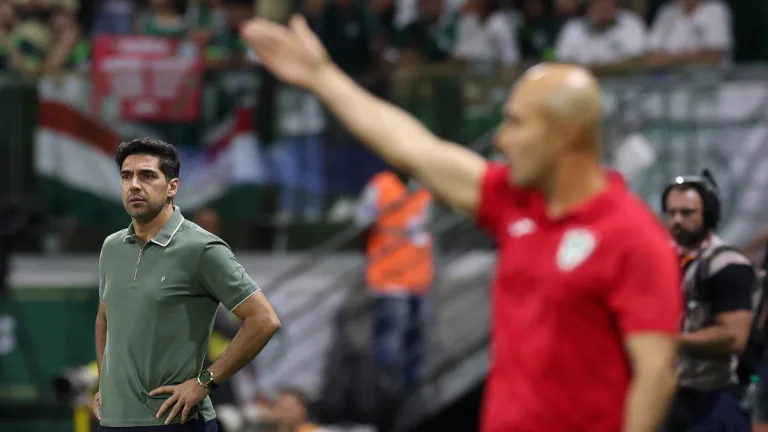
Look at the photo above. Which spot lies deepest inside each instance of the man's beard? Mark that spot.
(689, 239)
(145, 214)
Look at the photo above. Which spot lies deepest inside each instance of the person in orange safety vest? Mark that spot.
(399, 272)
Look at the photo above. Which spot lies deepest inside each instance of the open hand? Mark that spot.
(294, 54)
(183, 398)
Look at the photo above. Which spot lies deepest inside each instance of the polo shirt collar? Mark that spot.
(164, 237)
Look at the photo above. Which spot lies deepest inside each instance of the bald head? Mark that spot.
(553, 113)
(568, 94)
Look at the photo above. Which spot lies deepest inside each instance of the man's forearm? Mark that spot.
(248, 342)
(709, 341)
(648, 401)
(386, 129)
(101, 338)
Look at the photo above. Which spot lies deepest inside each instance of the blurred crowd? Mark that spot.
(384, 44)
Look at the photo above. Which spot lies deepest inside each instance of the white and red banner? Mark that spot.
(72, 140)
(148, 78)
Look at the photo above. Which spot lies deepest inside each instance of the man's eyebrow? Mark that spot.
(140, 170)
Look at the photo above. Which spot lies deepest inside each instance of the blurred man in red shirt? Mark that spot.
(586, 301)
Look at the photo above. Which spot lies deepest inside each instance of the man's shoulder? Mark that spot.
(722, 254)
(634, 224)
(193, 235)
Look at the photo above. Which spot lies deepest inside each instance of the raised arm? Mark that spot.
(295, 55)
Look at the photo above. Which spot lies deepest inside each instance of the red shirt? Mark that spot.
(566, 294)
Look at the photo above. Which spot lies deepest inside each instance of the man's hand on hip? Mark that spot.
(97, 405)
(183, 398)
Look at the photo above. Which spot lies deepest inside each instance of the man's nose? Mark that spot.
(134, 184)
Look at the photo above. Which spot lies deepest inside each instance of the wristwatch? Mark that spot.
(205, 379)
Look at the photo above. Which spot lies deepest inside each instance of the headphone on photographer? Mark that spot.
(707, 189)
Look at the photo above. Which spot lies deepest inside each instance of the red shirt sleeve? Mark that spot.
(494, 195)
(647, 293)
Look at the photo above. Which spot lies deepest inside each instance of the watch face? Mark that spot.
(206, 377)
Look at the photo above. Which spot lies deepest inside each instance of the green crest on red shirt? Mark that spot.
(575, 247)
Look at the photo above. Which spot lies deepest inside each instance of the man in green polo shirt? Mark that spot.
(161, 280)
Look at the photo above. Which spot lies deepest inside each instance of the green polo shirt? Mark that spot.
(161, 300)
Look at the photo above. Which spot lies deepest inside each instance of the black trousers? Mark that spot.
(707, 411)
(198, 425)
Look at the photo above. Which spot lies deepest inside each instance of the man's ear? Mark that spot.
(173, 187)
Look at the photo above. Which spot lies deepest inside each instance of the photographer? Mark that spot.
(718, 282)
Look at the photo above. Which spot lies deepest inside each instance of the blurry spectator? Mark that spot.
(114, 17)
(407, 11)
(300, 155)
(274, 10)
(384, 10)
(566, 9)
(430, 38)
(8, 21)
(224, 48)
(485, 35)
(399, 271)
(8, 17)
(691, 32)
(29, 46)
(605, 37)
(537, 31)
(70, 5)
(163, 20)
(313, 9)
(348, 29)
(206, 19)
(300, 152)
(69, 51)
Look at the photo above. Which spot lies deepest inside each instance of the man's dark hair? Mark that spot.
(167, 153)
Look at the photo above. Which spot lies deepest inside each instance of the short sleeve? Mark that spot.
(646, 293)
(494, 191)
(731, 288)
(717, 27)
(223, 277)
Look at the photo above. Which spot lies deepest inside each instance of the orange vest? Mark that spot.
(399, 248)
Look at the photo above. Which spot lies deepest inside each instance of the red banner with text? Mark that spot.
(147, 78)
